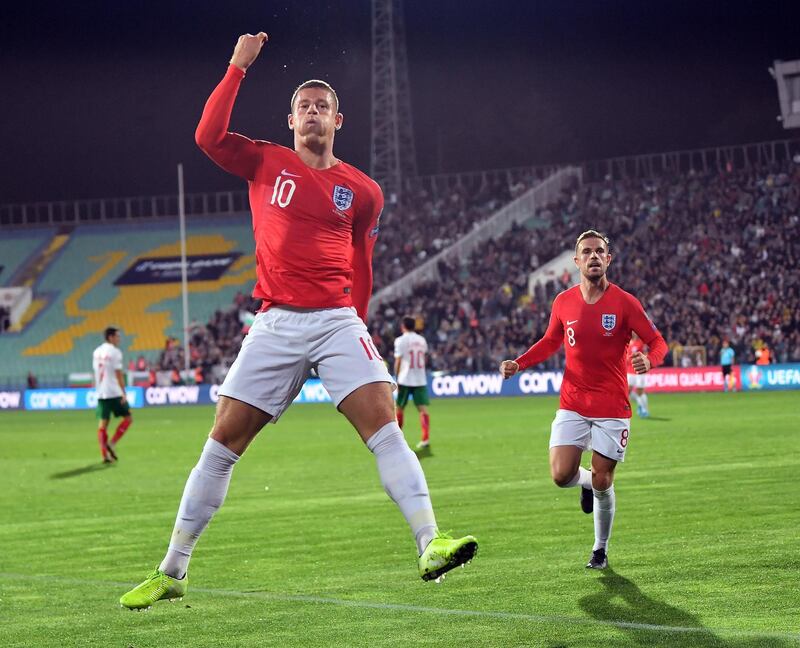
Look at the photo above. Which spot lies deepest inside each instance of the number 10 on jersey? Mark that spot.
(283, 192)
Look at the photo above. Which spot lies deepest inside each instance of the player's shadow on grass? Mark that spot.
(77, 472)
(622, 602)
(660, 419)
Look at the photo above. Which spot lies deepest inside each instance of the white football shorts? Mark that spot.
(608, 436)
(284, 344)
(637, 380)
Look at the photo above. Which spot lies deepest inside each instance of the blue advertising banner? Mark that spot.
(523, 384)
(70, 399)
(199, 267)
(770, 377)
(754, 378)
(11, 400)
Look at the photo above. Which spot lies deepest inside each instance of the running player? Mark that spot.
(593, 320)
(109, 384)
(636, 382)
(315, 222)
(409, 367)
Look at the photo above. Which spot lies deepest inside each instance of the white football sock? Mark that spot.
(204, 493)
(403, 480)
(643, 401)
(582, 478)
(636, 398)
(604, 507)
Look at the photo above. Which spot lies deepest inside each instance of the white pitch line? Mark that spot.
(402, 607)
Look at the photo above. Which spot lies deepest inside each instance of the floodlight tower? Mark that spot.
(393, 155)
(787, 76)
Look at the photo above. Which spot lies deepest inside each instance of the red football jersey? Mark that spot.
(315, 229)
(595, 337)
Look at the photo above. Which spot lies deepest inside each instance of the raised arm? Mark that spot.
(551, 342)
(233, 152)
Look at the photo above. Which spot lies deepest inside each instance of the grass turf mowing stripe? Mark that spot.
(421, 609)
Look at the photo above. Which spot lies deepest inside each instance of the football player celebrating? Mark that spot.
(315, 220)
(593, 320)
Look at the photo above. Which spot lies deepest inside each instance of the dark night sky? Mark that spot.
(102, 98)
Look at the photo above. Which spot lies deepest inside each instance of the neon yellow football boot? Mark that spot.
(443, 553)
(155, 587)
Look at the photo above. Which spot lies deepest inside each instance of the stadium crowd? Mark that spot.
(428, 221)
(711, 256)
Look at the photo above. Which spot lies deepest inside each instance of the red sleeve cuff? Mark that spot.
(235, 71)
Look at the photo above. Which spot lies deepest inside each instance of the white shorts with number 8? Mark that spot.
(608, 436)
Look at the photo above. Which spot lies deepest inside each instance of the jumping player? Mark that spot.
(315, 222)
(593, 320)
(636, 382)
(109, 384)
(410, 349)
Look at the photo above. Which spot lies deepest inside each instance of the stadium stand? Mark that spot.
(711, 256)
(76, 285)
(711, 253)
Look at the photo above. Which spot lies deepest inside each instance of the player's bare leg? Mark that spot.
(567, 472)
(604, 508)
(236, 424)
(370, 409)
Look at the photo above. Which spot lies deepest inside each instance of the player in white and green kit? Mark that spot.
(109, 384)
(410, 350)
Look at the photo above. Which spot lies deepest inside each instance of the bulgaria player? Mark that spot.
(109, 385)
(315, 220)
(636, 382)
(409, 367)
(594, 321)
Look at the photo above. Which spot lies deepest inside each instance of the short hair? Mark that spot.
(315, 83)
(409, 323)
(111, 330)
(592, 234)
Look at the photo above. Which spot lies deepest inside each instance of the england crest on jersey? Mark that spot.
(342, 197)
(609, 321)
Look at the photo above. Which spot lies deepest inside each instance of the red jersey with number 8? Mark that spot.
(595, 338)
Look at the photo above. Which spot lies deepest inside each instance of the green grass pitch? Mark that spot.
(309, 551)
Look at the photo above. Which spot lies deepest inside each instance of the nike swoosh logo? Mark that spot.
(570, 323)
(287, 173)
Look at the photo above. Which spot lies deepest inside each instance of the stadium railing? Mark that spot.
(515, 212)
(225, 202)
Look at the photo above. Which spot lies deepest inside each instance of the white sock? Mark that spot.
(636, 398)
(582, 478)
(605, 503)
(404, 481)
(204, 493)
(643, 401)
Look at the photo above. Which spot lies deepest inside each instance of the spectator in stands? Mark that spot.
(5, 319)
(700, 226)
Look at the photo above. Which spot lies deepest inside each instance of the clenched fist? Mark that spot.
(640, 362)
(508, 368)
(247, 49)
